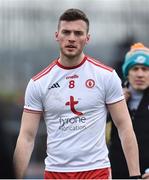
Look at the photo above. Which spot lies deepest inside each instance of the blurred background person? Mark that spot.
(136, 89)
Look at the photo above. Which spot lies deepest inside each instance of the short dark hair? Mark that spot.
(74, 14)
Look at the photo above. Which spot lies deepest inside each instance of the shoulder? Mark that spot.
(45, 71)
(103, 73)
(99, 64)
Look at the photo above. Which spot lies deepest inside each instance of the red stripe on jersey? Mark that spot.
(98, 63)
(32, 111)
(44, 71)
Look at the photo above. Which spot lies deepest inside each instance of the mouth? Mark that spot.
(70, 46)
(139, 82)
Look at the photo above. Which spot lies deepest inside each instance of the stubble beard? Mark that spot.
(70, 55)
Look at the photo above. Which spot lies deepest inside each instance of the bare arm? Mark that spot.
(122, 121)
(25, 142)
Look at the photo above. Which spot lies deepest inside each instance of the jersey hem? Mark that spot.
(116, 100)
(76, 169)
(32, 110)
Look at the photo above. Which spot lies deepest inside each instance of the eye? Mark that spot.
(135, 68)
(145, 68)
(65, 32)
(78, 33)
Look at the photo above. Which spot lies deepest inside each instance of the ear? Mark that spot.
(87, 38)
(56, 36)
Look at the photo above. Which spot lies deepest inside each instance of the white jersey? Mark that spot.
(73, 101)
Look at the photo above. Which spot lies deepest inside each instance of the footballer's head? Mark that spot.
(73, 15)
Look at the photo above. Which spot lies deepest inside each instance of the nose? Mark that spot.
(72, 37)
(140, 72)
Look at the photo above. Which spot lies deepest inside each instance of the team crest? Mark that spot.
(90, 83)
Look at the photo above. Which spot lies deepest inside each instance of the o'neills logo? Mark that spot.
(72, 77)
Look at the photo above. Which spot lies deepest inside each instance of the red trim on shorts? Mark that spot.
(104, 173)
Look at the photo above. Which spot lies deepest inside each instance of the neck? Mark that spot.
(71, 61)
(134, 91)
(135, 100)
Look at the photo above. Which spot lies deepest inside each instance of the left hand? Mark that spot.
(145, 176)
